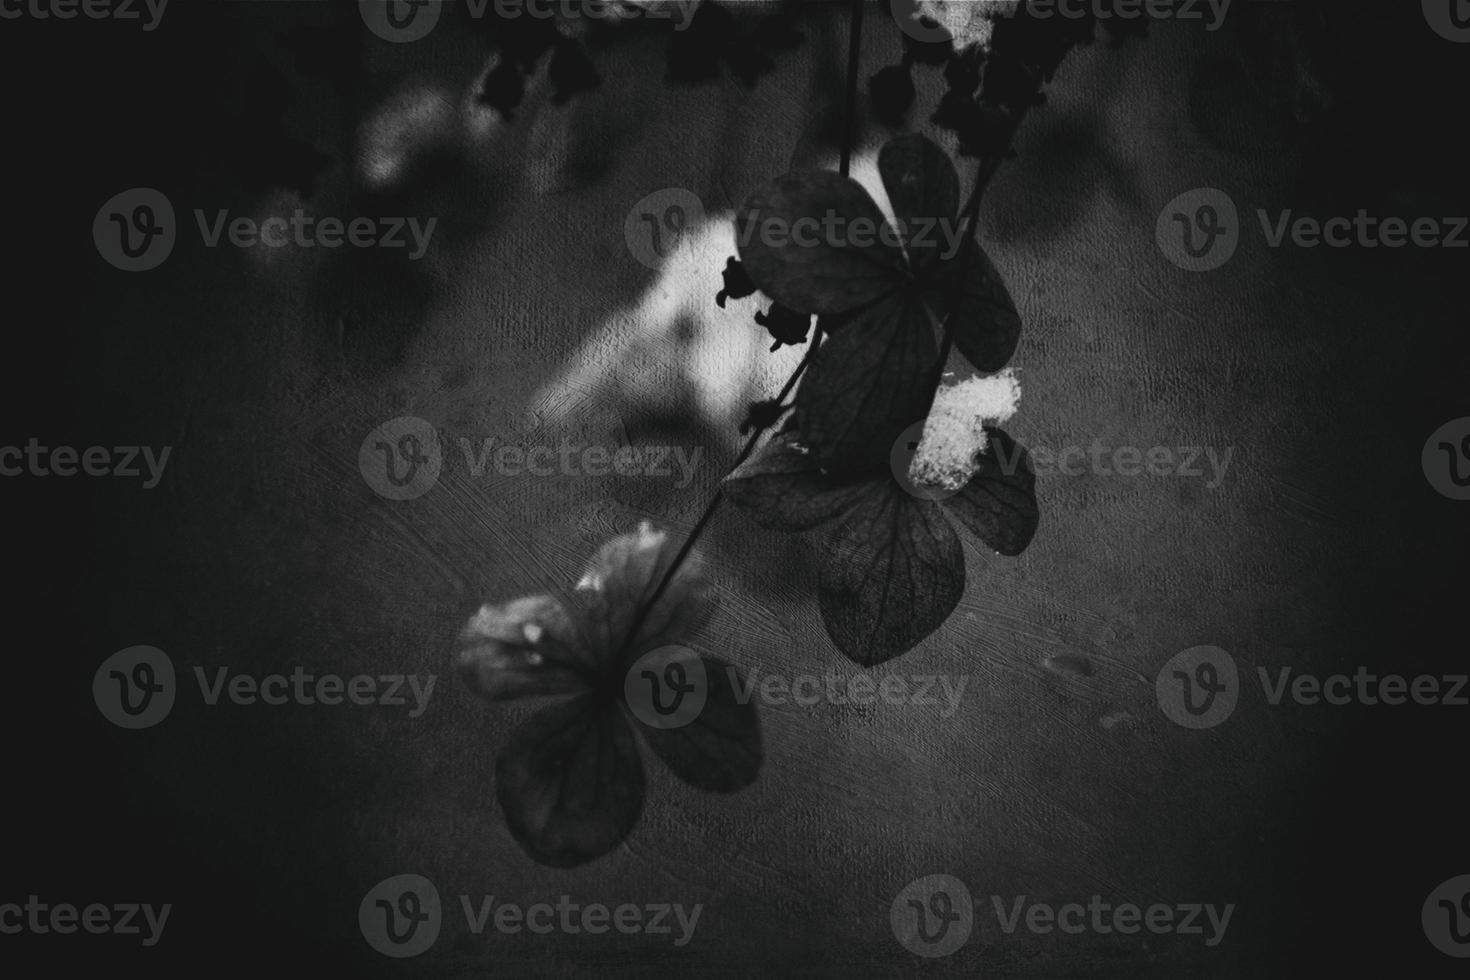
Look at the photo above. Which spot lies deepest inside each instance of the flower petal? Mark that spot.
(998, 505)
(522, 648)
(571, 782)
(618, 583)
(893, 572)
(789, 253)
(783, 488)
(720, 749)
(970, 289)
(924, 190)
(867, 384)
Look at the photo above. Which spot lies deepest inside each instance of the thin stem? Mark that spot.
(714, 504)
(854, 57)
(853, 63)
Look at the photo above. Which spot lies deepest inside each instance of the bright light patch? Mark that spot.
(396, 133)
(954, 433)
(968, 21)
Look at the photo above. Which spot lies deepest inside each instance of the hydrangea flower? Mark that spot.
(571, 779)
(892, 568)
(879, 292)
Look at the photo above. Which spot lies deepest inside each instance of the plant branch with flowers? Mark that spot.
(881, 461)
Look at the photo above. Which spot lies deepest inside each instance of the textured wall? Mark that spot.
(1057, 778)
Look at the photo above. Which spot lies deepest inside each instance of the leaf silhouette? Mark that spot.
(986, 326)
(783, 489)
(570, 782)
(923, 188)
(789, 254)
(868, 384)
(719, 751)
(618, 583)
(893, 573)
(998, 505)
